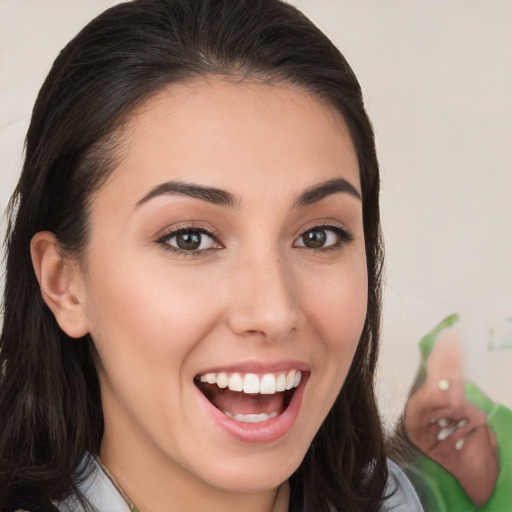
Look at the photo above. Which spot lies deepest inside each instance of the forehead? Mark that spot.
(217, 132)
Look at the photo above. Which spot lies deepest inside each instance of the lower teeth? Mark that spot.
(251, 418)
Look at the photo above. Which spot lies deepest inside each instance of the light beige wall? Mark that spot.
(437, 77)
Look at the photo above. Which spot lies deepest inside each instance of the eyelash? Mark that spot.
(165, 238)
(344, 237)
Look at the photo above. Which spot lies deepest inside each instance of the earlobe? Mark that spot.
(61, 284)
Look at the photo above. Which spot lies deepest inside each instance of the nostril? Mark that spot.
(270, 326)
(264, 302)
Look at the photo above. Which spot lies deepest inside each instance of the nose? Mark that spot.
(263, 300)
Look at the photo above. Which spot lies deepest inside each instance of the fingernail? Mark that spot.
(462, 423)
(443, 422)
(459, 444)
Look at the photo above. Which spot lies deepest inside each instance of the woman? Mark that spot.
(193, 274)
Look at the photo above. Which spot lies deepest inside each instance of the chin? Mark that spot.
(254, 474)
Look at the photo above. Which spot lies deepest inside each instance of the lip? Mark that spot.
(259, 367)
(258, 433)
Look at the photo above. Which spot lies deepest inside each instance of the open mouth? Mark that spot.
(250, 397)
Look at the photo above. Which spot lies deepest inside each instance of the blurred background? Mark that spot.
(437, 79)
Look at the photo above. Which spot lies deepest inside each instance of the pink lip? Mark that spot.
(259, 367)
(258, 433)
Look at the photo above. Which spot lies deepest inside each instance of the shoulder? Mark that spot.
(400, 494)
(97, 489)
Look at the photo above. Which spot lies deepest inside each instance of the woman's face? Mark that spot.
(226, 263)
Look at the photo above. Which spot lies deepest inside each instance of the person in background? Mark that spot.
(453, 441)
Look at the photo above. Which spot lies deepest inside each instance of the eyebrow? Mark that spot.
(223, 198)
(208, 194)
(325, 189)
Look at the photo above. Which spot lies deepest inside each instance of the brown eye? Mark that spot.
(190, 240)
(314, 239)
(324, 237)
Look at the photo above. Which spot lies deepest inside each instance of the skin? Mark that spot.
(159, 318)
(474, 464)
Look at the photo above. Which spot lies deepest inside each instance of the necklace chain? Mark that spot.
(125, 497)
(129, 502)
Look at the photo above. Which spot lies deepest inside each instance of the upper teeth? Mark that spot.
(266, 384)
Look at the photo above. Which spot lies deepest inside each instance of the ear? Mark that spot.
(61, 282)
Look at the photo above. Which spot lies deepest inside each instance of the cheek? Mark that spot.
(144, 316)
(339, 303)
(338, 311)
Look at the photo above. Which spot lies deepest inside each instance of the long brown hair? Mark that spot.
(50, 406)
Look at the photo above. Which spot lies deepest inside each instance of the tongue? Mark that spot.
(243, 403)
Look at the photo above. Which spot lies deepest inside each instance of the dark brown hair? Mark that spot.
(50, 406)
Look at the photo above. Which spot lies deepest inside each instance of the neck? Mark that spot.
(153, 488)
